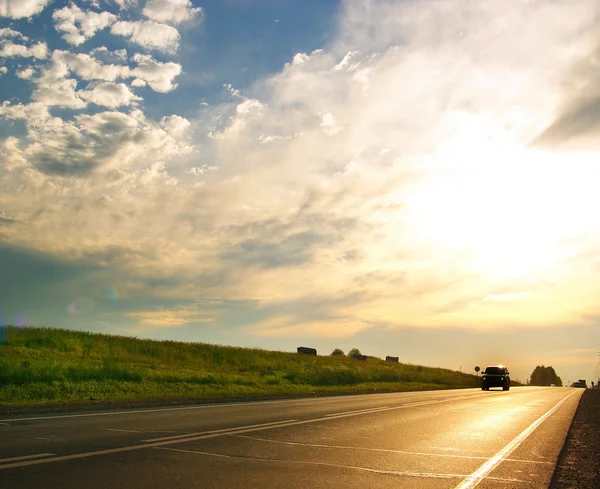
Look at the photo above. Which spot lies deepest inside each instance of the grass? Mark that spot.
(41, 365)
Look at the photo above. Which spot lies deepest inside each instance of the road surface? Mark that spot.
(440, 439)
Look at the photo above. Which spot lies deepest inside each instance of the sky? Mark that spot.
(415, 178)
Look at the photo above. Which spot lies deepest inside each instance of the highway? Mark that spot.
(436, 439)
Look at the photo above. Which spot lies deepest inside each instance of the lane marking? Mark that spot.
(366, 469)
(141, 431)
(476, 477)
(26, 457)
(360, 410)
(223, 431)
(241, 430)
(388, 450)
(213, 406)
(428, 475)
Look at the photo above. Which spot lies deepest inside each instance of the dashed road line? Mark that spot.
(387, 450)
(204, 436)
(427, 475)
(26, 457)
(223, 431)
(369, 410)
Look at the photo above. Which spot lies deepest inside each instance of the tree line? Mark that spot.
(544, 376)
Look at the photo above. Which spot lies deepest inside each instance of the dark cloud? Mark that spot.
(578, 126)
(286, 251)
(8, 221)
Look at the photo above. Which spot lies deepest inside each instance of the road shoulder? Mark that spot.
(579, 461)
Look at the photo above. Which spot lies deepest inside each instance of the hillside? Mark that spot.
(40, 365)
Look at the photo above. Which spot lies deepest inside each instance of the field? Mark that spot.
(45, 365)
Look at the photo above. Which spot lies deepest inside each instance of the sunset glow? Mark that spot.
(416, 178)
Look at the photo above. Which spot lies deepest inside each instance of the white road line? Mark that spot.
(368, 410)
(401, 452)
(303, 462)
(224, 431)
(204, 406)
(26, 457)
(476, 477)
(427, 475)
(240, 430)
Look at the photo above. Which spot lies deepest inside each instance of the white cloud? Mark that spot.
(102, 53)
(26, 73)
(17, 9)
(39, 50)
(7, 32)
(126, 4)
(507, 297)
(88, 67)
(329, 124)
(76, 26)
(138, 83)
(171, 11)
(53, 88)
(159, 76)
(108, 94)
(89, 144)
(35, 114)
(149, 35)
(176, 126)
(3, 70)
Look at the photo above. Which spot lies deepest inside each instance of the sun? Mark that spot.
(511, 213)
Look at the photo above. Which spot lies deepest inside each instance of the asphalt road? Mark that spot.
(440, 439)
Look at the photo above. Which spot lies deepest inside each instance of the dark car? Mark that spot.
(495, 376)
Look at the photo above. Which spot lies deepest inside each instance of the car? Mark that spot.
(495, 376)
(552, 385)
(579, 384)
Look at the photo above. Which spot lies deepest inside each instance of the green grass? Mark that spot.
(41, 365)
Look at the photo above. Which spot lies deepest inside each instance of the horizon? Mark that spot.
(411, 178)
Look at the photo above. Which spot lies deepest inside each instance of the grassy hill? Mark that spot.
(39, 365)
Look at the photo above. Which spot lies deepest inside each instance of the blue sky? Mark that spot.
(412, 178)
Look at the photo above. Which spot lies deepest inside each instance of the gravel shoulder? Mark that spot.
(578, 465)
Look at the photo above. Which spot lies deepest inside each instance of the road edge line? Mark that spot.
(480, 474)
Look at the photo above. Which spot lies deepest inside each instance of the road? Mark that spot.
(439, 439)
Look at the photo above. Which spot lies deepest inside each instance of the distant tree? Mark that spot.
(355, 353)
(338, 353)
(544, 376)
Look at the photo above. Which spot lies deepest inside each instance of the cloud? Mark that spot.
(126, 4)
(159, 76)
(149, 35)
(3, 70)
(77, 26)
(26, 73)
(104, 141)
(38, 51)
(18, 9)
(389, 174)
(108, 94)
(507, 297)
(56, 86)
(171, 11)
(7, 32)
(102, 53)
(87, 67)
(289, 327)
(172, 318)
